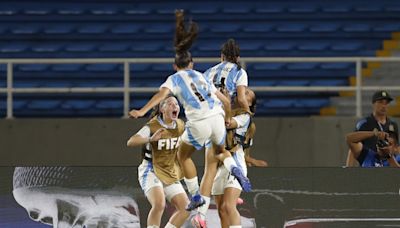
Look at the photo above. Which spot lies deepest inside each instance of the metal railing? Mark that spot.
(126, 89)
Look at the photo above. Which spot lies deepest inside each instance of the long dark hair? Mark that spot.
(253, 104)
(183, 40)
(231, 52)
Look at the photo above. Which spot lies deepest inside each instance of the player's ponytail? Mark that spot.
(231, 52)
(183, 40)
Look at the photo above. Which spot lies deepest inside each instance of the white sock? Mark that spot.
(153, 226)
(235, 226)
(229, 162)
(169, 225)
(204, 208)
(192, 185)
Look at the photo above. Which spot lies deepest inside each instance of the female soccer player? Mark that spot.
(159, 172)
(226, 188)
(229, 74)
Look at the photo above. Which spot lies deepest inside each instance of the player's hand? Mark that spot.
(227, 122)
(382, 135)
(135, 114)
(158, 134)
(260, 163)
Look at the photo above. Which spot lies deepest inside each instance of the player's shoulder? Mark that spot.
(364, 122)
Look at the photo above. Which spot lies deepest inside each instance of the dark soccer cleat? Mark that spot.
(195, 202)
(243, 180)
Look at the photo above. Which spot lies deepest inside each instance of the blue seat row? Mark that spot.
(78, 30)
(164, 49)
(206, 7)
(47, 107)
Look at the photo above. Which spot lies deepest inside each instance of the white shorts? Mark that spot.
(198, 132)
(148, 180)
(224, 179)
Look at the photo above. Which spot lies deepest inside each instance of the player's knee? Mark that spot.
(229, 207)
(159, 206)
(223, 209)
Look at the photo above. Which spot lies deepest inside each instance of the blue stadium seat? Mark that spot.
(67, 67)
(105, 67)
(137, 11)
(138, 67)
(204, 9)
(44, 104)
(370, 8)
(161, 28)
(106, 10)
(280, 46)
(59, 29)
(93, 28)
(26, 84)
(67, 10)
(237, 9)
(270, 9)
(146, 47)
(91, 83)
(25, 29)
(303, 8)
(330, 82)
(359, 27)
(313, 46)
(347, 46)
(80, 47)
(78, 104)
(392, 8)
(19, 105)
(109, 104)
(56, 83)
(225, 28)
(301, 66)
(279, 103)
(9, 10)
(291, 27)
(336, 8)
(114, 47)
(293, 82)
(312, 102)
(33, 67)
(215, 47)
(42, 10)
(163, 67)
(324, 27)
(4, 28)
(47, 47)
(203, 66)
(131, 28)
(259, 28)
(267, 66)
(336, 66)
(387, 27)
(13, 48)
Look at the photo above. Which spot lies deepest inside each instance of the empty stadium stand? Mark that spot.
(136, 29)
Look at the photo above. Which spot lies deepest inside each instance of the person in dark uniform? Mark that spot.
(385, 154)
(377, 120)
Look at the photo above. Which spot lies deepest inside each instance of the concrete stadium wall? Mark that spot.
(283, 142)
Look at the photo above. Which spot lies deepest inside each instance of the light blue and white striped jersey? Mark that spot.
(227, 74)
(195, 93)
(243, 122)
